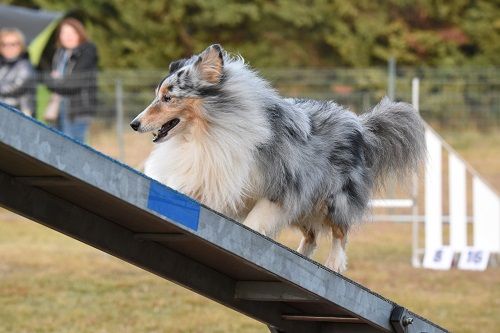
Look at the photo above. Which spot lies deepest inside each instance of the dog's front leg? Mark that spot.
(267, 217)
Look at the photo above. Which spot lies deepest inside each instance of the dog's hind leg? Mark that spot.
(308, 242)
(267, 217)
(345, 209)
(337, 259)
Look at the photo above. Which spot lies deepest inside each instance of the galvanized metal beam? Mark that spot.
(324, 319)
(271, 292)
(45, 181)
(171, 237)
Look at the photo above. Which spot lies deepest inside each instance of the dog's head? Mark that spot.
(178, 104)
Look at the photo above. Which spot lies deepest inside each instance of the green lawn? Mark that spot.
(51, 283)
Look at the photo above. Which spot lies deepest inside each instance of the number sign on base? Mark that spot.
(474, 259)
(439, 258)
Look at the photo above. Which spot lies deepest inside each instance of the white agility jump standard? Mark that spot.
(485, 210)
(485, 214)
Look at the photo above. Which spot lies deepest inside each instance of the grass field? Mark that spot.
(51, 283)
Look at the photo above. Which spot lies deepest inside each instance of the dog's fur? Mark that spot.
(271, 162)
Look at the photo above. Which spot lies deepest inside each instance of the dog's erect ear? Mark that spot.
(210, 63)
(175, 65)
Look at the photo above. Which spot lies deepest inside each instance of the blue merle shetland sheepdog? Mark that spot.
(226, 138)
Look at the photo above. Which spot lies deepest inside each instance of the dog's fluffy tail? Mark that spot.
(394, 135)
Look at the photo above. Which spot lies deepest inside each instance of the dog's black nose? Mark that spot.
(135, 125)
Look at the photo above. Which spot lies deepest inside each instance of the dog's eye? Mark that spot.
(166, 98)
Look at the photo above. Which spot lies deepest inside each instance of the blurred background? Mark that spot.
(352, 52)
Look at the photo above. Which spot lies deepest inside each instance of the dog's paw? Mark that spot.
(337, 263)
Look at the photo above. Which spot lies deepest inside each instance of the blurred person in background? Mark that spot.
(16, 72)
(72, 81)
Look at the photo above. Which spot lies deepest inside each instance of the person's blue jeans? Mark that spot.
(76, 128)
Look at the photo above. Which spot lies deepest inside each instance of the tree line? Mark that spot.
(286, 33)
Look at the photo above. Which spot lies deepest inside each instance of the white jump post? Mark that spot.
(433, 192)
(458, 203)
(485, 214)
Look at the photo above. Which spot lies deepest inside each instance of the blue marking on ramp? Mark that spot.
(173, 205)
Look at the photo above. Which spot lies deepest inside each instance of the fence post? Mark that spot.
(119, 118)
(391, 79)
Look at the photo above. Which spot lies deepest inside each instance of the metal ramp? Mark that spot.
(71, 188)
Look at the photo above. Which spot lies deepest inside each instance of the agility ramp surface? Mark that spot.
(69, 187)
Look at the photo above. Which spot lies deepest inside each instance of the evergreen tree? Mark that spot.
(286, 33)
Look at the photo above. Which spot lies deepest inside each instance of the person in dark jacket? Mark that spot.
(16, 73)
(73, 81)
